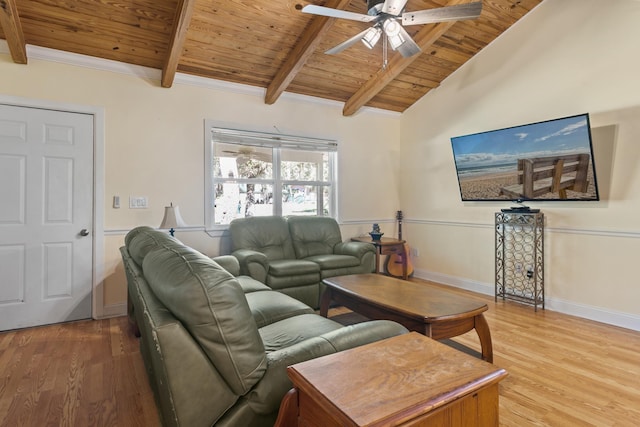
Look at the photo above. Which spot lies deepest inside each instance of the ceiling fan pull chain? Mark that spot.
(384, 51)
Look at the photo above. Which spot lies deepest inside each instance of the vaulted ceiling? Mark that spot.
(268, 44)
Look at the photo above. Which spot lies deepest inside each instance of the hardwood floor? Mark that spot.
(87, 373)
(563, 371)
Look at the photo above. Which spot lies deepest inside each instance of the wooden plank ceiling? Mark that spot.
(268, 44)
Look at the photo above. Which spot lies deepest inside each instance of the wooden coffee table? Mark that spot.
(429, 310)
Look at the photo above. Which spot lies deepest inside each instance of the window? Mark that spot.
(260, 174)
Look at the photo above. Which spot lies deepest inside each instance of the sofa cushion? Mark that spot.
(313, 235)
(292, 267)
(268, 234)
(307, 294)
(249, 284)
(283, 283)
(142, 240)
(213, 308)
(271, 306)
(293, 330)
(332, 262)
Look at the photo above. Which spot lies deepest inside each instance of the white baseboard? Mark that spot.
(597, 314)
(114, 310)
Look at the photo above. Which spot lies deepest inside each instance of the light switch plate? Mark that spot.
(138, 202)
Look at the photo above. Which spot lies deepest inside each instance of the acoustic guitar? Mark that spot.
(393, 265)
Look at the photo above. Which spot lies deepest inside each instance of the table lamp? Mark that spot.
(172, 219)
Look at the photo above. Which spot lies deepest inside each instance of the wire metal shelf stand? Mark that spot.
(519, 244)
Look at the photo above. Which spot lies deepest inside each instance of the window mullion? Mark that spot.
(277, 187)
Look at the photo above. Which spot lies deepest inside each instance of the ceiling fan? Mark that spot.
(244, 154)
(386, 16)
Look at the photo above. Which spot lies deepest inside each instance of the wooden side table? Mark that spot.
(408, 380)
(387, 246)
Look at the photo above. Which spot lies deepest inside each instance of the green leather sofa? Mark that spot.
(216, 347)
(293, 254)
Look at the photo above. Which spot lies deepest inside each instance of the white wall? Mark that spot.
(566, 57)
(154, 144)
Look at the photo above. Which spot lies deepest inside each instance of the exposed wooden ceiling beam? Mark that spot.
(12, 29)
(303, 49)
(397, 64)
(179, 34)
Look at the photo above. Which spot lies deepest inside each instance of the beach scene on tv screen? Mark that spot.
(541, 161)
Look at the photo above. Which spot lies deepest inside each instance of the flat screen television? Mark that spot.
(550, 160)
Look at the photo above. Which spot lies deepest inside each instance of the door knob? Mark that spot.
(84, 232)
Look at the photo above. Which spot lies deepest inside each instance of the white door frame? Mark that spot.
(97, 280)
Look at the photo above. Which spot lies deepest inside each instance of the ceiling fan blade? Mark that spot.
(336, 13)
(394, 7)
(409, 47)
(348, 43)
(441, 14)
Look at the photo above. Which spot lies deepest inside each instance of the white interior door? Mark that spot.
(46, 216)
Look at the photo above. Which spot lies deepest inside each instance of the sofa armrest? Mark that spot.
(356, 249)
(266, 396)
(229, 263)
(253, 263)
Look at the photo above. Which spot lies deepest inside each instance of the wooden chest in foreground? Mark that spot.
(408, 380)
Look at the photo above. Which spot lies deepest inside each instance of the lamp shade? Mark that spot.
(172, 218)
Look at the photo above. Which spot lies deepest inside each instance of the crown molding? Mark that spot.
(86, 61)
(79, 60)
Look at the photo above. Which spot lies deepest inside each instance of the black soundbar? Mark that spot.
(520, 209)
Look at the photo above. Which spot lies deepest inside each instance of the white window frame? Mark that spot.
(278, 142)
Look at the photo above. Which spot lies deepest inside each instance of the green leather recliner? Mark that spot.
(293, 254)
(216, 347)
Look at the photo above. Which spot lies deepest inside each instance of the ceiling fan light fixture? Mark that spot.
(391, 27)
(371, 37)
(396, 41)
(392, 30)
